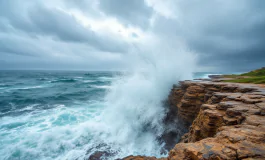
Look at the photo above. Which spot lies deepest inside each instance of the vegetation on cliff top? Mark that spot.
(256, 76)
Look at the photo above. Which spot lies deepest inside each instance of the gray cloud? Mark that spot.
(19, 46)
(40, 20)
(223, 34)
(87, 7)
(26, 53)
(133, 12)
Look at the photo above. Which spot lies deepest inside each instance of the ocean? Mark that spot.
(47, 115)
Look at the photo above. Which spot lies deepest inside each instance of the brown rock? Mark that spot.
(227, 121)
(262, 108)
(255, 120)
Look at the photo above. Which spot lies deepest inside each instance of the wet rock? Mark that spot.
(99, 155)
(142, 158)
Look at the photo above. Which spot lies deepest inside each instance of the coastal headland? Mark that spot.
(224, 116)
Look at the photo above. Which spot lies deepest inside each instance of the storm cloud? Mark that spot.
(99, 34)
(134, 12)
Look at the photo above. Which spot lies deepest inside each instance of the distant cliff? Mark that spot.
(225, 121)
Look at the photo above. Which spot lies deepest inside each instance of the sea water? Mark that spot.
(71, 114)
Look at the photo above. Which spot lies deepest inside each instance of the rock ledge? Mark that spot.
(226, 121)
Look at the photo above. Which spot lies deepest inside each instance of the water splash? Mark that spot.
(132, 119)
(128, 121)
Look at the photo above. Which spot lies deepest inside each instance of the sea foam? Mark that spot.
(128, 121)
(131, 123)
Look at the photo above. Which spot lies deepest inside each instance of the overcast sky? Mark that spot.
(100, 34)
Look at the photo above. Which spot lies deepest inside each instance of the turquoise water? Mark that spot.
(68, 115)
(42, 113)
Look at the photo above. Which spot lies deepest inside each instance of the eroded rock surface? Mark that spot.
(225, 120)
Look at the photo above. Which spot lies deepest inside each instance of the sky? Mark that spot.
(102, 34)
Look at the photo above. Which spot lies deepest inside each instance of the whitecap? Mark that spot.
(78, 77)
(26, 88)
(101, 86)
(89, 81)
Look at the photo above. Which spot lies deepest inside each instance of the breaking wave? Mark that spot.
(72, 118)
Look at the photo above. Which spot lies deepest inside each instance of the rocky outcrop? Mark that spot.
(225, 120)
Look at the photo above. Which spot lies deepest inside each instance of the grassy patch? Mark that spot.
(256, 80)
(258, 72)
(256, 76)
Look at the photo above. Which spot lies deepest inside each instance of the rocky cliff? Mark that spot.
(225, 121)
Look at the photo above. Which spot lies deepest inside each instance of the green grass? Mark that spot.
(256, 76)
(258, 72)
(256, 80)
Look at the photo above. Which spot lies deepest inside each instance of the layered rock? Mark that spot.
(225, 120)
